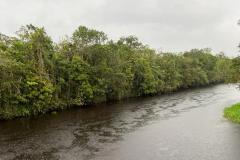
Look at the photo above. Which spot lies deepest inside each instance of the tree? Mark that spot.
(38, 47)
(37, 76)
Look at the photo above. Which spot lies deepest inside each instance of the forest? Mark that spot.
(38, 75)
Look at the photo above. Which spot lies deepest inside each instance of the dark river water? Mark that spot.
(186, 125)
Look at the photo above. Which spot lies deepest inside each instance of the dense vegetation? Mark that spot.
(38, 75)
(233, 113)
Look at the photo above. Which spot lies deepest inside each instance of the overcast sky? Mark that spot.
(168, 25)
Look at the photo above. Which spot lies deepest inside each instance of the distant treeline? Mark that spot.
(38, 75)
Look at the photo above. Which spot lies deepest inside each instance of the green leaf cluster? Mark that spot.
(38, 75)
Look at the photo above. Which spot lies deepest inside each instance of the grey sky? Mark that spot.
(169, 25)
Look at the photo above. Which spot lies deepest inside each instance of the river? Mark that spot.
(186, 125)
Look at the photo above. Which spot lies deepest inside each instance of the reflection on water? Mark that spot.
(84, 133)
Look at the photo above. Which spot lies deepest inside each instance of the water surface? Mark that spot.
(181, 126)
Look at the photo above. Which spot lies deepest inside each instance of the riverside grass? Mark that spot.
(233, 113)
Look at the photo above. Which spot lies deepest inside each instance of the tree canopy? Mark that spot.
(38, 75)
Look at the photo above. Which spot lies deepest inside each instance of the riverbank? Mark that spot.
(233, 113)
(24, 112)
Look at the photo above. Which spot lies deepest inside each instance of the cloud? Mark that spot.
(171, 25)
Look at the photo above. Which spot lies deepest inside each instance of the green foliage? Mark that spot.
(233, 113)
(235, 76)
(37, 75)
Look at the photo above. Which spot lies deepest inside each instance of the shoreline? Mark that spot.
(232, 113)
(59, 109)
